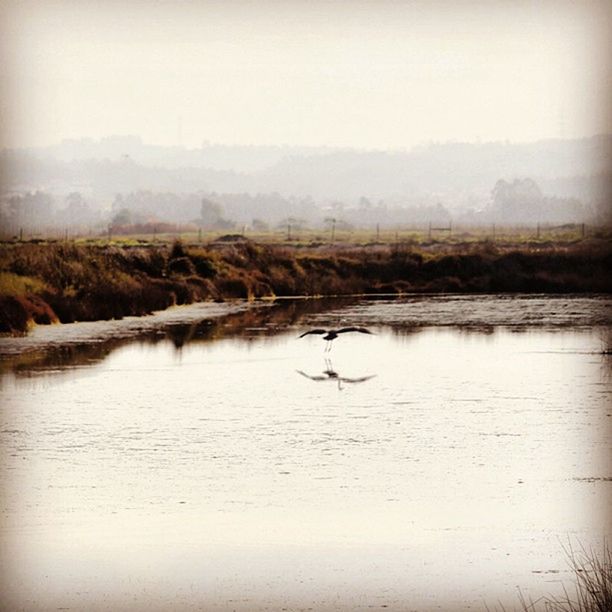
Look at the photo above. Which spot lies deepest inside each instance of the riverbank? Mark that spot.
(61, 282)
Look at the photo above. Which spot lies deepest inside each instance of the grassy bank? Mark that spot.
(48, 282)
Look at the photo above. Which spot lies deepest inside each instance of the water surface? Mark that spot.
(225, 464)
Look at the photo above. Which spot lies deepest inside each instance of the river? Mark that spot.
(209, 458)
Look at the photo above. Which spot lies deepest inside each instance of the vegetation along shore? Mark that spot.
(48, 282)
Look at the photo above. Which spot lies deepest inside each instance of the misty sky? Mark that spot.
(368, 74)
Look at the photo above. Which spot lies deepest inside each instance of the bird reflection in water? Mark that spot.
(330, 374)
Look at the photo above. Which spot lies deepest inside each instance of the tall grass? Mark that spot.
(14, 284)
(591, 590)
(95, 281)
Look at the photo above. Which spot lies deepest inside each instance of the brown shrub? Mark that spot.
(18, 313)
(178, 250)
(14, 318)
(234, 288)
(203, 288)
(181, 266)
(446, 284)
(204, 264)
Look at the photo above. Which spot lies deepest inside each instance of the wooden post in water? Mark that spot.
(200, 235)
(583, 231)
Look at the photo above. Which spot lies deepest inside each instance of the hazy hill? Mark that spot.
(452, 172)
(88, 182)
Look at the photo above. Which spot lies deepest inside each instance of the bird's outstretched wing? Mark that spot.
(314, 331)
(356, 380)
(312, 377)
(361, 330)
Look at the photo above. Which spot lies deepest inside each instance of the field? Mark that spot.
(332, 235)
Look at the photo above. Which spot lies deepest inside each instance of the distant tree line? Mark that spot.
(38, 211)
(519, 201)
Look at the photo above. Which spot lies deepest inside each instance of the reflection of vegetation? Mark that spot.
(69, 282)
(406, 330)
(264, 322)
(59, 357)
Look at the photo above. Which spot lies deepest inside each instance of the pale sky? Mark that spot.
(364, 73)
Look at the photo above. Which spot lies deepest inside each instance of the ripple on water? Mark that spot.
(518, 311)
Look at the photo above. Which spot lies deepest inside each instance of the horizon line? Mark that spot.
(392, 149)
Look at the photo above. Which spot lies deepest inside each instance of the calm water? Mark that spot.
(225, 464)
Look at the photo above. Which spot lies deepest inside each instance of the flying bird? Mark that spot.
(332, 334)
